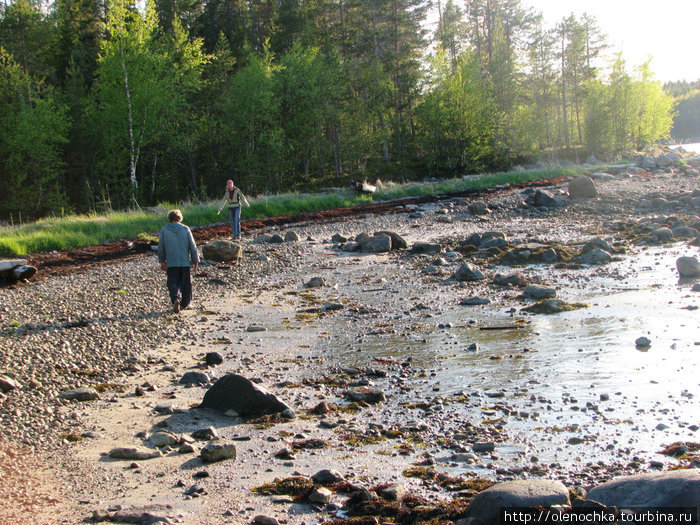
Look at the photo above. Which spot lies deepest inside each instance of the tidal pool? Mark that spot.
(573, 374)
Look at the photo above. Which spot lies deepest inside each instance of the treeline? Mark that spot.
(103, 105)
(686, 124)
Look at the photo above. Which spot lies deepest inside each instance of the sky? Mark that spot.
(666, 30)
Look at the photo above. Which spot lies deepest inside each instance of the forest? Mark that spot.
(112, 104)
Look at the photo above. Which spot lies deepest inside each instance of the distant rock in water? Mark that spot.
(235, 392)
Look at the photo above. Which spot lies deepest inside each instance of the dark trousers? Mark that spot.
(180, 285)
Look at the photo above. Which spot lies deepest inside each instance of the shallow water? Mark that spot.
(554, 369)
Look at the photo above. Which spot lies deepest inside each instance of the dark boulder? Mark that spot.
(235, 392)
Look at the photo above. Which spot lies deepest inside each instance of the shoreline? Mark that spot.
(374, 445)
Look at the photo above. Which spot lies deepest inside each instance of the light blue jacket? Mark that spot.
(176, 246)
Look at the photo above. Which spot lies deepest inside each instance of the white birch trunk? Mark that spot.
(133, 152)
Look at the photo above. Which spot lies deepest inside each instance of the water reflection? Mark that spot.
(584, 363)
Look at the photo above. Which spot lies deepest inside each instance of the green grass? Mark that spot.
(73, 232)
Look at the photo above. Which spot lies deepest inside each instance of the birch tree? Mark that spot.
(140, 90)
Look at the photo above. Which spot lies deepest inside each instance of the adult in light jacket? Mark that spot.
(177, 253)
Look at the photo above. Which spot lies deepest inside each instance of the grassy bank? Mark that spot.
(85, 230)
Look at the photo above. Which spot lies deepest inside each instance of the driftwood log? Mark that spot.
(364, 187)
(16, 270)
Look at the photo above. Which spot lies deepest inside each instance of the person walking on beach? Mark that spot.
(176, 253)
(233, 196)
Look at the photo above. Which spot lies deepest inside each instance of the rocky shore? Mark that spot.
(354, 330)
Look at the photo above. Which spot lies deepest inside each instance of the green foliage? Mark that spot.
(32, 131)
(627, 113)
(456, 118)
(111, 105)
(255, 140)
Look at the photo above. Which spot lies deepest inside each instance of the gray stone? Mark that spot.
(255, 328)
(597, 243)
(582, 188)
(486, 506)
(315, 282)
(642, 341)
(235, 392)
(275, 239)
(262, 238)
(321, 495)
(367, 395)
(475, 301)
(222, 250)
(292, 237)
(395, 492)
(688, 267)
(332, 307)
(595, 256)
(397, 242)
(147, 515)
(549, 256)
(426, 247)
(602, 176)
(685, 232)
(493, 242)
(351, 246)
(213, 452)
(667, 160)
(484, 446)
(80, 394)
(163, 439)
(213, 358)
(194, 378)
(663, 234)
(327, 477)
(544, 199)
(479, 208)
(376, 244)
(467, 272)
(166, 408)
(133, 454)
(7, 384)
(674, 488)
(539, 292)
(339, 238)
(265, 520)
(516, 279)
(205, 434)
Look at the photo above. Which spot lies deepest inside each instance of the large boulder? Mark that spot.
(486, 507)
(222, 250)
(673, 488)
(467, 272)
(380, 243)
(544, 199)
(235, 392)
(80, 394)
(582, 188)
(397, 242)
(426, 247)
(688, 267)
(216, 451)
